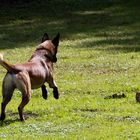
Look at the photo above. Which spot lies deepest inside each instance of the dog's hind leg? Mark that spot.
(7, 92)
(25, 100)
(24, 85)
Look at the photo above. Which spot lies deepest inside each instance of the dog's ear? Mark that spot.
(55, 41)
(45, 37)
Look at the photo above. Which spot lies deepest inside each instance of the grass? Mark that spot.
(98, 56)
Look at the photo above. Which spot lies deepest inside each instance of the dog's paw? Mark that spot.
(44, 92)
(55, 93)
(2, 117)
(45, 95)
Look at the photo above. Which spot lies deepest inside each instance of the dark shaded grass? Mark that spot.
(25, 22)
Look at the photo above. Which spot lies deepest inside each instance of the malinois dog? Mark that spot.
(30, 75)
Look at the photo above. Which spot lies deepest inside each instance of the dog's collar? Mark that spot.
(49, 55)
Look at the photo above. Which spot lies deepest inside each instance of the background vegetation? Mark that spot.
(99, 55)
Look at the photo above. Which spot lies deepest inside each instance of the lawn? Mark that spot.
(99, 55)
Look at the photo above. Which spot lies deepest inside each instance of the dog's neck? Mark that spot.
(42, 54)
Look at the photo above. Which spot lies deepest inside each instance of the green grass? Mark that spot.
(99, 55)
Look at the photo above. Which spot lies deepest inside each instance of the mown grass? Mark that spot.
(98, 56)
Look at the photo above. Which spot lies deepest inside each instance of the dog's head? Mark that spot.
(50, 47)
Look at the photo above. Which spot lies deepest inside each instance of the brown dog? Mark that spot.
(31, 75)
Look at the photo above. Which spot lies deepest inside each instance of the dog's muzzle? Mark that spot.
(54, 59)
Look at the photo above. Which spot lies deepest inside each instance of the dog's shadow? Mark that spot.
(15, 118)
(8, 122)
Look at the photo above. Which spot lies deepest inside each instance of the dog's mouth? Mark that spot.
(54, 59)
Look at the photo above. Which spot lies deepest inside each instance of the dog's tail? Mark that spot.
(7, 66)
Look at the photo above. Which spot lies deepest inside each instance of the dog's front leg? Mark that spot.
(44, 92)
(53, 85)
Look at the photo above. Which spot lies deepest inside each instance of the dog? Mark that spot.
(30, 75)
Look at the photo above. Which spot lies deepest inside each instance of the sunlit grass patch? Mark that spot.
(98, 57)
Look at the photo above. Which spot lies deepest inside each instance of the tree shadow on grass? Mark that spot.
(24, 23)
(123, 42)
